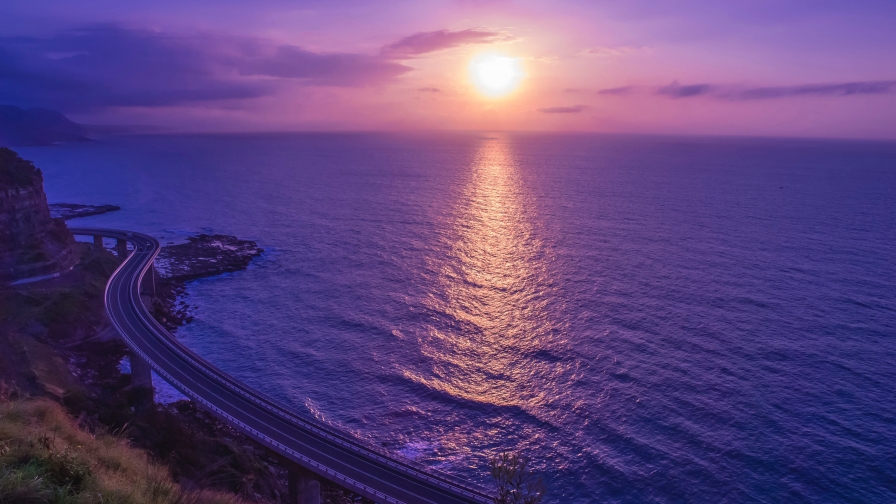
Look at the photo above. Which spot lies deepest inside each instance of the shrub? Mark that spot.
(515, 481)
(45, 458)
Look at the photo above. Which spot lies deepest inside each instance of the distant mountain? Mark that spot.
(101, 130)
(20, 127)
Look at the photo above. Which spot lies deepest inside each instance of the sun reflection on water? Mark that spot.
(493, 338)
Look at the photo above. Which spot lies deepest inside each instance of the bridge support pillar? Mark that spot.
(98, 241)
(141, 381)
(122, 248)
(303, 489)
(149, 281)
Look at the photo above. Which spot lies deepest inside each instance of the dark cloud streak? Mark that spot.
(617, 91)
(110, 66)
(740, 93)
(575, 109)
(676, 90)
(334, 69)
(427, 42)
(845, 89)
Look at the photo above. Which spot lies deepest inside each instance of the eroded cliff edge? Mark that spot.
(56, 343)
(32, 243)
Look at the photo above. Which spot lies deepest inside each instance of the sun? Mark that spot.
(496, 75)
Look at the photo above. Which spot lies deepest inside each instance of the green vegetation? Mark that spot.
(38, 319)
(55, 343)
(515, 481)
(46, 458)
(15, 171)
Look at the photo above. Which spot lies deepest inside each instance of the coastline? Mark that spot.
(68, 332)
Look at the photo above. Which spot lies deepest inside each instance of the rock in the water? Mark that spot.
(206, 255)
(66, 211)
(202, 256)
(32, 243)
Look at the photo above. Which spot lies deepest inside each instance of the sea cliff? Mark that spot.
(32, 243)
(57, 345)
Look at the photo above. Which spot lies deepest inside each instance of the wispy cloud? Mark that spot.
(609, 52)
(109, 65)
(575, 109)
(675, 90)
(429, 90)
(624, 90)
(427, 42)
(331, 69)
(844, 89)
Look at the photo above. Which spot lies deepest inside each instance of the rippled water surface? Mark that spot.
(649, 319)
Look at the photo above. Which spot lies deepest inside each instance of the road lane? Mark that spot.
(318, 447)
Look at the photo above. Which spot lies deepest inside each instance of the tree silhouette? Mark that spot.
(515, 481)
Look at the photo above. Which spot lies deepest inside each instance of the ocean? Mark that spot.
(648, 319)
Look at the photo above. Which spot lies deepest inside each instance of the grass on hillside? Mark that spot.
(46, 458)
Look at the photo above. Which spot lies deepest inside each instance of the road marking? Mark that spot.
(128, 295)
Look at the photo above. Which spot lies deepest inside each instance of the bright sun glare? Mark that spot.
(495, 75)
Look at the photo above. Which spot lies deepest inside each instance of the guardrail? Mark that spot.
(445, 481)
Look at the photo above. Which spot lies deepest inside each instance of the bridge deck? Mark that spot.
(315, 446)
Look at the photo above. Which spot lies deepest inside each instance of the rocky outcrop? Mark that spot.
(202, 256)
(31, 242)
(206, 255)
(66, 211)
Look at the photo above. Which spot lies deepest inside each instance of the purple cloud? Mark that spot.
(844, 89)
(575, 109)
(735, 93)
(108, 66)
(333, 69)
(676, 90)
(624, 90)
(427, 42)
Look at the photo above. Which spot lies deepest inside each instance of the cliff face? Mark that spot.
(31, 242)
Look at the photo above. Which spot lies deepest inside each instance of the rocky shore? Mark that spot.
(56, 343)
(206, 256)
(66, 211)
(201, 256)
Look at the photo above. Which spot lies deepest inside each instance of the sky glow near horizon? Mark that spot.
(758, 67)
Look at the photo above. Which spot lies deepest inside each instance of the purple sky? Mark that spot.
(757, 67)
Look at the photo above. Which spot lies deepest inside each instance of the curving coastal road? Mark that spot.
(320, 448)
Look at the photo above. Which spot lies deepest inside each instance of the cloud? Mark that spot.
(676, 90)
(430, 90)
(427, 42)
(609, 52)
(624, 90)
(739, 93)
(575, 109)
(109, 66)
(332, 69)
(844, 89)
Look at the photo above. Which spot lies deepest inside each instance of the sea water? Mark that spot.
(648, 319)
